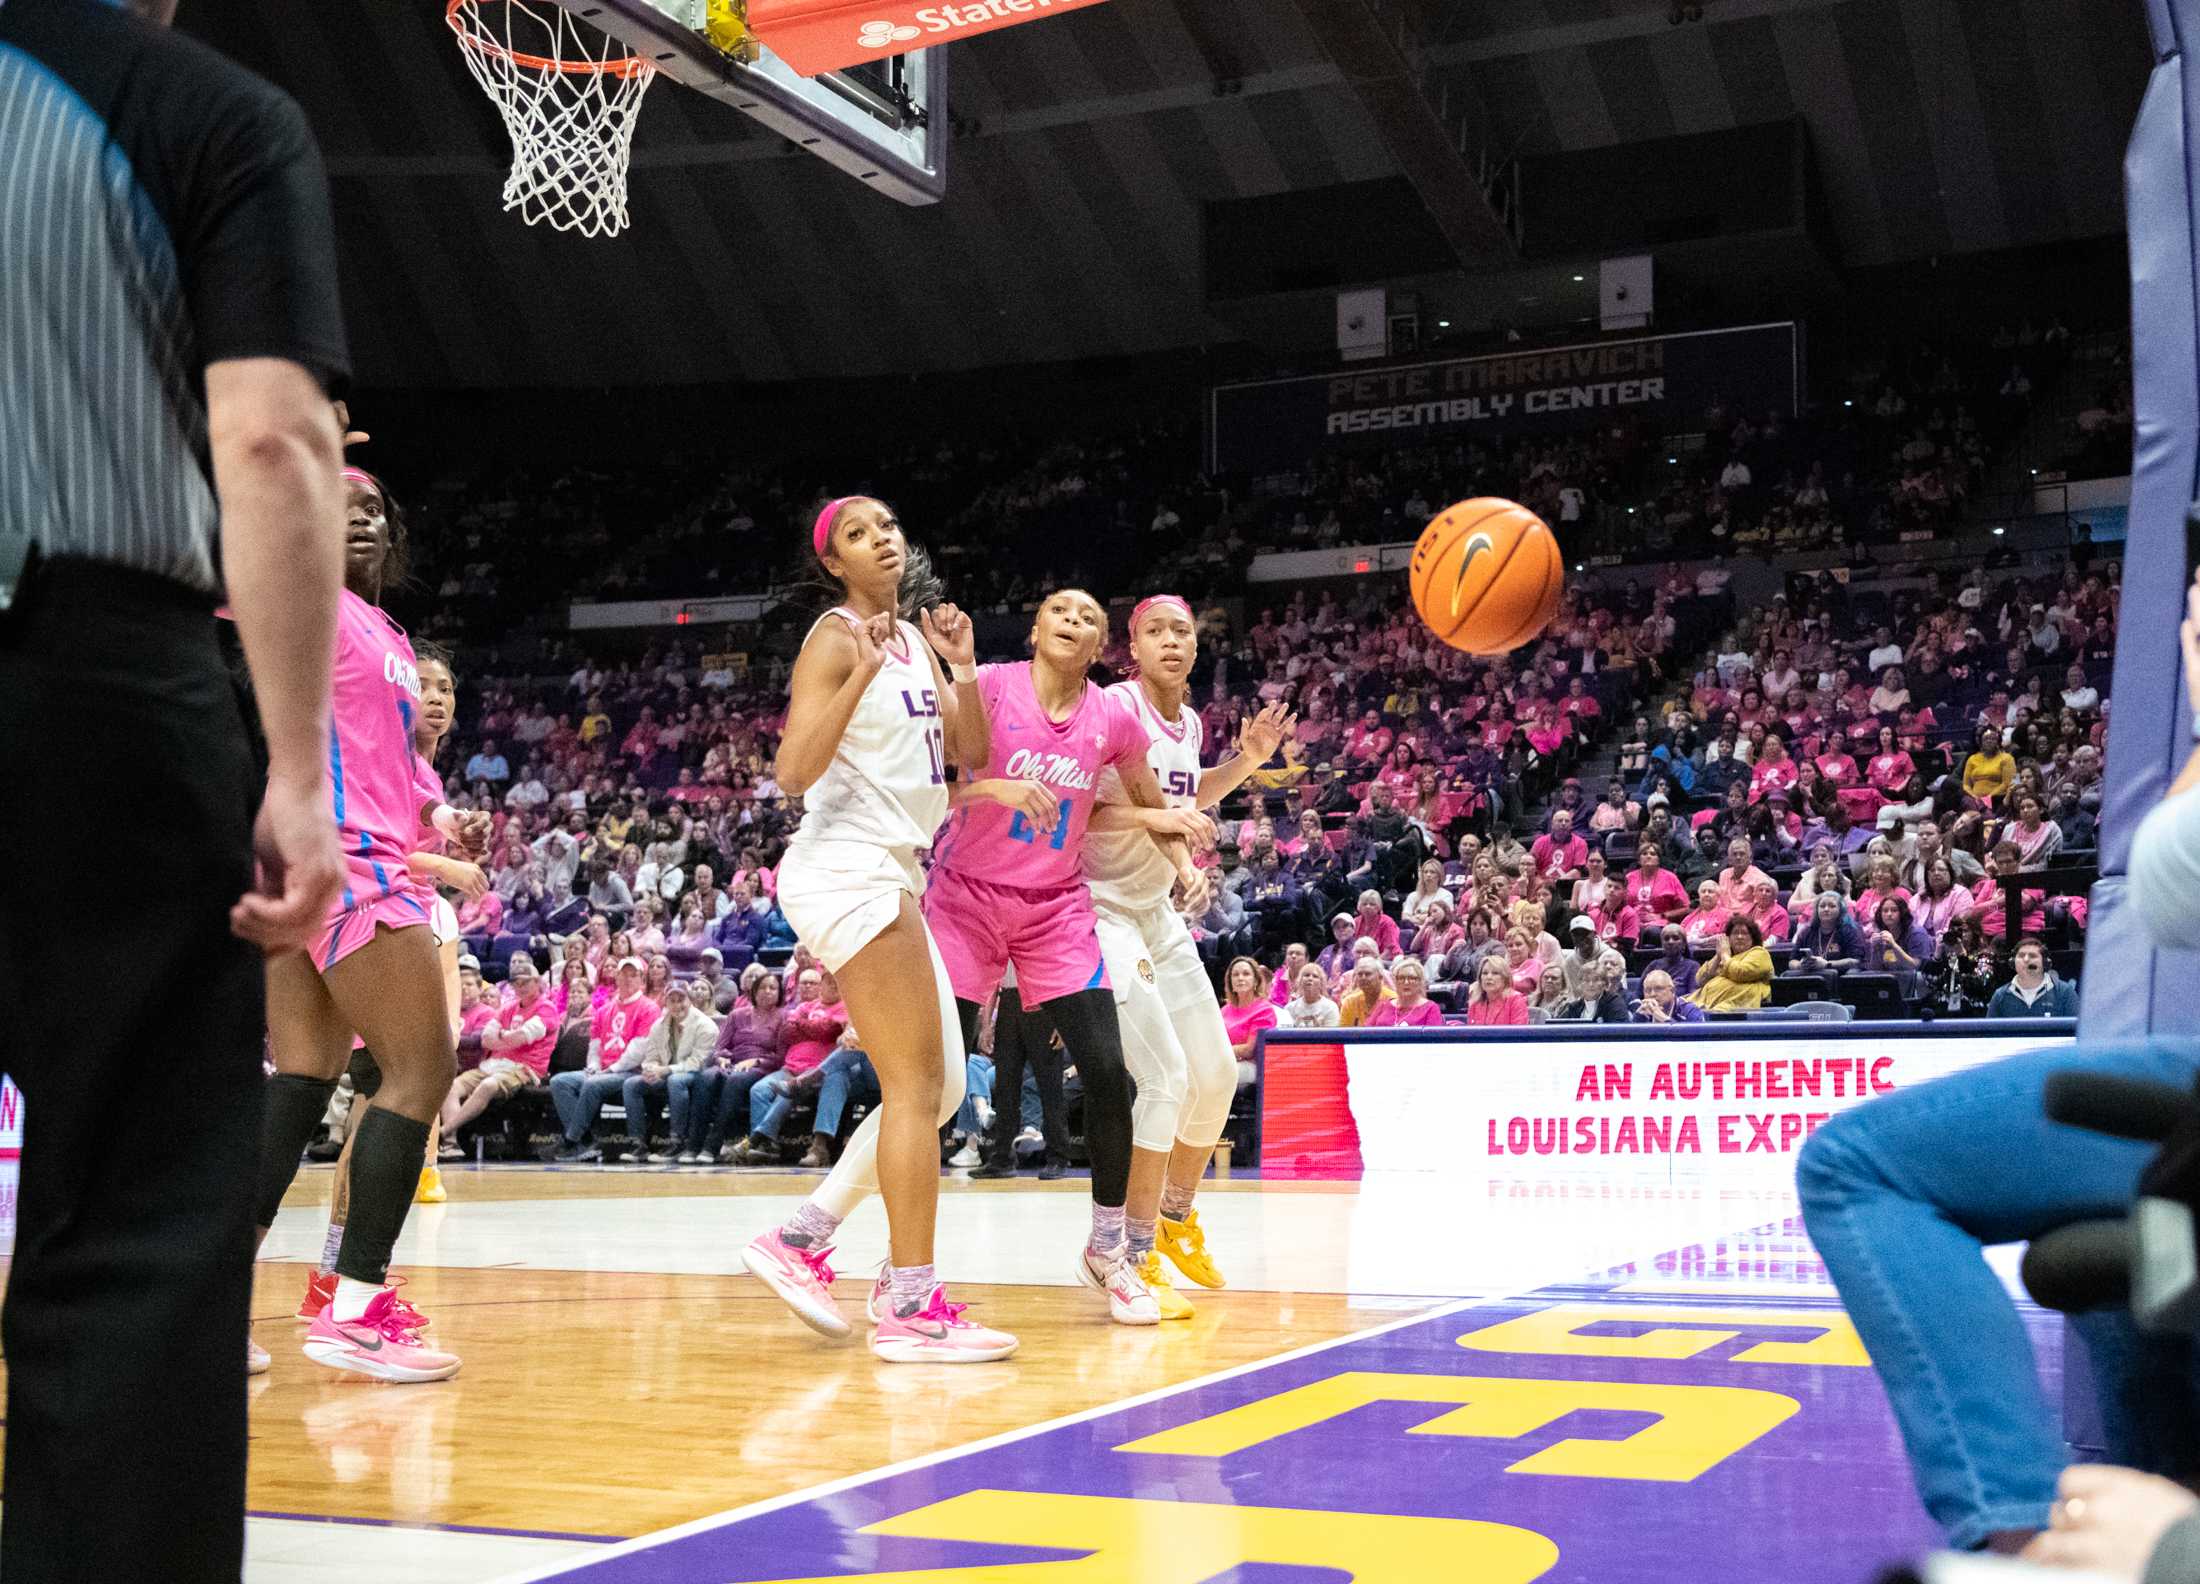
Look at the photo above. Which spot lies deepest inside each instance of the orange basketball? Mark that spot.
(1486, 575)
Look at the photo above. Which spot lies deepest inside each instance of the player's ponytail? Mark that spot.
(921, 586)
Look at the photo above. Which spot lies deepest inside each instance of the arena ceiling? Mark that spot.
(1089, 144)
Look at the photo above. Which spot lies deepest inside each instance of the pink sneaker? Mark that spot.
(938, 1334)
(801, 1278)
(875, 1307)
(379, 1344)
(256, 1360)
(1130, 1300)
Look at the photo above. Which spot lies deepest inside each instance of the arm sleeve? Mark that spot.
(2164, 871)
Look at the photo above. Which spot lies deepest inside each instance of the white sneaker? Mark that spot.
(1028, 1140)
(1130, 1300)
(690, 1157)
(875, 1305)
(256, 1360)
(968, 1155)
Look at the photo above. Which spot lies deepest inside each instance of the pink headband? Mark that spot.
(822, 534)
(1138, 612)
(354, 475)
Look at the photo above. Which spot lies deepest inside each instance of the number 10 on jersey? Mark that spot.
(1019, 828)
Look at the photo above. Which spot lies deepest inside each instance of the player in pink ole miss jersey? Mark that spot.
(430, 867)
(1173, 1039)
(872, 725)
(1006, 888)
(373, 972)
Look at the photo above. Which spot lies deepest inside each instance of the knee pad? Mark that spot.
(1211, 1078)
(1157, 1115)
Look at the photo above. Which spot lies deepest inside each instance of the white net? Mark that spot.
(569, 95)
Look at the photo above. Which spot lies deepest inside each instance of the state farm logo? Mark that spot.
(882, 33)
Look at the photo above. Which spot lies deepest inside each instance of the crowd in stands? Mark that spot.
(1668, 808)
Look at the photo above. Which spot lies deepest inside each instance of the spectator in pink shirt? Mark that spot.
(1740, 877)
(1493, 1000)
(1372, 923)
(481, 915)
(1652, 889)
(516, 1041)
(1706, 922)
(1412, 1008)
(1287, 977)
(808, 1033)
(1560, 854)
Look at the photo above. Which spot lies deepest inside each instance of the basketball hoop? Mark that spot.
(569, 103)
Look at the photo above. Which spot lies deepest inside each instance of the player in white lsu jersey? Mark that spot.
(1173, 1039)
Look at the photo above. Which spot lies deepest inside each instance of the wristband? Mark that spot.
(445, 819)
(962, 673)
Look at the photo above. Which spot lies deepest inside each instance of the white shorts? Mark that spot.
(1173, 1039)
(442, 922)
(841, 896)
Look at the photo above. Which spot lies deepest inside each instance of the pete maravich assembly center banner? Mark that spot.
(1267, 425)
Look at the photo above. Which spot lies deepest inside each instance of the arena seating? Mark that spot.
(1653, 692)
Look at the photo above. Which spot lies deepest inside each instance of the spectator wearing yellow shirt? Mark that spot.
(1740, 977)
(1367, 993)
(595, 725)
(1989, 772)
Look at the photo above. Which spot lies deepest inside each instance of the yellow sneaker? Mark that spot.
(431, 1189)
(1186, 1247)
(1173, 1304)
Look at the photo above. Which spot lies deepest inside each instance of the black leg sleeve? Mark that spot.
(294, 1108)
(1086, 1022)
(385, 1169)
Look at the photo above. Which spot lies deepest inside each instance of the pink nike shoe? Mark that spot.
(801, 1278)
(379, 1344)
(875, 1307)
(938, 1334)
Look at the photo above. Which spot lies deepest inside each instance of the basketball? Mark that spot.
(1486, 575)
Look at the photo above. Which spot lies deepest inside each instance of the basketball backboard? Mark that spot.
(885, 122)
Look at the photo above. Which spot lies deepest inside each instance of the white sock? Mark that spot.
(352, 1298)
(329, 1246)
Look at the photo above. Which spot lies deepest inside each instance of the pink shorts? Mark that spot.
(351, 924)
(981, 928)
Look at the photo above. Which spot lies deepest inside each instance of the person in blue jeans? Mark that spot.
(848, 1076)
(1902, 1194)
(1901, 1197)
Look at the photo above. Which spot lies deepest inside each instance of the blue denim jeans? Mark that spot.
(580, 1099)
(977, 1085)
(848, 1076)
(770, 1102)
(1902, 1194)
(644, 1097)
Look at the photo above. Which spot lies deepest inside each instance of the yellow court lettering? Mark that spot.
(1672, 1333)
(1135, 1541)
(1696, 1427)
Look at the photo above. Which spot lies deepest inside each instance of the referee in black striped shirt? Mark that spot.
(169, 343)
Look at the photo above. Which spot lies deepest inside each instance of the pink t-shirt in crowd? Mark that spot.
(513, 1018)
(619, 1023)
(983, 840)
(1505, 1011)
(810, 1031)
(1242, 1023)
(1422, 1014)
(1662, 894)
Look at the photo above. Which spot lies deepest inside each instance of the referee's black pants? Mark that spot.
(132, 1021)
